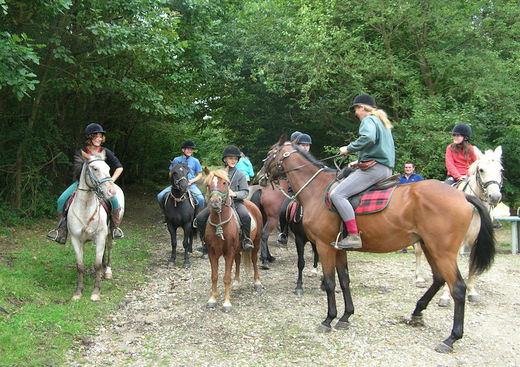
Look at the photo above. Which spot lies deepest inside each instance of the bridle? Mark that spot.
(280, 172)
(218, 209)
(175, 184)
(96, 187)
(484, 185)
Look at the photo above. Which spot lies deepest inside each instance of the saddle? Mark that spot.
(371, 200)
(106, 204)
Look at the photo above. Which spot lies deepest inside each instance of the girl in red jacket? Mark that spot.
(459, 154)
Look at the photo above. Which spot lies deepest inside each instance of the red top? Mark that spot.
(457, 164)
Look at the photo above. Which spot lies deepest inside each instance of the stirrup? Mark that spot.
(117, 233)
(50, 235)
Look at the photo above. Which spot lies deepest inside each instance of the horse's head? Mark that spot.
(488, 174)
(218, 189)
(272, 168)
(179, 177)
(97, 174)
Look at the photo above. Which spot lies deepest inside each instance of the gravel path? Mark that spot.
(166, 322)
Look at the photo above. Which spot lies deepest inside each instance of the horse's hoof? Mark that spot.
(271, 259)
(323, 328)
(473, 298)
(443, 348)
(187, 266)
(171, 264)
(342, 325)
(298, 292)
(76, 297)
(264, 266)
(211, 304)
(258, 286)
(94, 297)
(226, 309)
(416, 321)
(444, 302)
(421, 284)
(108, 276)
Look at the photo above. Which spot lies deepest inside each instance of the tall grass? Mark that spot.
(38, 321)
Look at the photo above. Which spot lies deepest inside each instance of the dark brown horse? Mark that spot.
(429, 211)
(223, 239)
(269, 200)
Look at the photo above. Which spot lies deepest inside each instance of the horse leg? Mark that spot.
(173, 238)
(263, 246)
(98, 267)
(422, 303)
(314, 271)
(458, 292)
(344, 282)
(186, 244)
(236, 281)
(107, 258)
(301, 262)
(473, 295)
(80, 266)
(213, 260)
(254, 260)
(226, 307)
(419, 280)
(327, 257)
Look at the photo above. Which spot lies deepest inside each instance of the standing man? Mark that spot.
(409, 174)
(195, 174)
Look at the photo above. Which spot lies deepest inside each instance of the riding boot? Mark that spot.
(246, 242)
(352, 241)
(115, 220)
(59, 234)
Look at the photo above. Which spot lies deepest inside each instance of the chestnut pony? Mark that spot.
(222, 237)
(428, 211)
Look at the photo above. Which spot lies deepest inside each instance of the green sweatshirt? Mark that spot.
(375, 142)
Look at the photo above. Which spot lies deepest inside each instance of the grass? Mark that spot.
(38, 321)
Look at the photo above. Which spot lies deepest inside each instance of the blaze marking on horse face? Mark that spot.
(215, 181)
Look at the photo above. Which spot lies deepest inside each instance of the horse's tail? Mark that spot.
(246, 261)
(256, 200)
(483, 249)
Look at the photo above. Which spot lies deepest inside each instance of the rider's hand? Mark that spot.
(343, 150)
(353, 165)
(232, 193)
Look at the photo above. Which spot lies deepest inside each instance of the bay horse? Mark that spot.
(428, 211)
(269, 200)
(179, 209)
(484, 181)
(222, 237)
(87, 218)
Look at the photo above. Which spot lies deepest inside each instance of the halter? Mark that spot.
(97, 183)
(175, 185)
(281, 172)
(218, 226)
(484, 185)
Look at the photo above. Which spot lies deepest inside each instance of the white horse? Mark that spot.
(87, 218)
(485, 182)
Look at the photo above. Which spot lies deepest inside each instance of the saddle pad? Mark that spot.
(239, 224)
(374, 201)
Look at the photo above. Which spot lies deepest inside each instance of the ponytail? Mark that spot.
(380, 114)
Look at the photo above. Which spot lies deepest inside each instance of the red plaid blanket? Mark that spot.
(374, 201)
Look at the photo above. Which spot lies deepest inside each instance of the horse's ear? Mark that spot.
(478, 153)
(498, 152)
(206, 171)
(85, 155)
(283, 139)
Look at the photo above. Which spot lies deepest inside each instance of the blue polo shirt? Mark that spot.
(193, 164)
(413, 178)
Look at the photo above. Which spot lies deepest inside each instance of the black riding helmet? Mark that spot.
(230, 151)
(93, 129)
(187, 144)
(364, 99)
(462, 129)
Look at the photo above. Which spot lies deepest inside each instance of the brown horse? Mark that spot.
(269, 200)
(429, 211)
(223, 239)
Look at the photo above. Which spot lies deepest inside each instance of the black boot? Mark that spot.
(59, 234)
(115, 220)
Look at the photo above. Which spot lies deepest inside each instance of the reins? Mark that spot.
(97, 183)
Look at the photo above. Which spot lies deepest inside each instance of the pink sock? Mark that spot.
(351, 226)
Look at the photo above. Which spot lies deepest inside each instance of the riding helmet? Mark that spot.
(187, 144)
(93, 129)
(245, 150)
(462, 129)
(230, 151)
(364, 99)
(295, 135)
(304, 139)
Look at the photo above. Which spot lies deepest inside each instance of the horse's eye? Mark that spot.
(481, 170)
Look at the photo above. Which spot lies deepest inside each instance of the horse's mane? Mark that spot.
(311, 158)
(220, 173)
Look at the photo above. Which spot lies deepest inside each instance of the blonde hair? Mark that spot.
(379, 113)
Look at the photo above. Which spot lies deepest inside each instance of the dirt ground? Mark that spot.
(166, 322)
